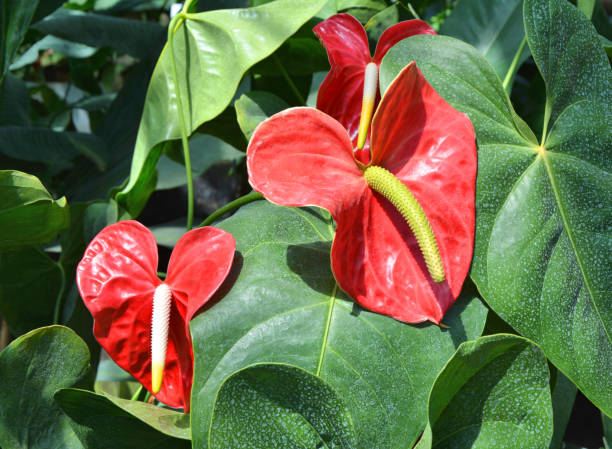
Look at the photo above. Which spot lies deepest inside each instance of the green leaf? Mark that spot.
(266, 406)
(30, 283)
(58, 149)
(494, 27)
(563, 398)
(285, 307)
(28, 213)
(213, 51)
(14, 102)
(64, 47)
(541, 257)
(386, 18)
(254, 107)
(32, 369)
(15, 18)
(596, 13)
(105, 421)
(299, 56)
(205, 152)
(493, 392)
(134, 37)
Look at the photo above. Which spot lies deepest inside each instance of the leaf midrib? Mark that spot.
(571, 238)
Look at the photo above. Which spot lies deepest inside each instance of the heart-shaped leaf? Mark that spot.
(266, 406)
(104, 421)
(494, 392)
(32, 369)
(28, 213)
(212, 50)
(543, 235)
(285, 307)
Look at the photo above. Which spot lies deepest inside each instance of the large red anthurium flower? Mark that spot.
(346, 42)
(117, 279)
(420, 144)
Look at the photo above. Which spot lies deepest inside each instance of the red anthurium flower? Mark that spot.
(346, 42)
(420, 144)
(117, 278)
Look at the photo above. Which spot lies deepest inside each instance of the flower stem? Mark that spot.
(136, 395)
(60, 296)
(514, 63)
(292, 85)
(171, 30)
(229, 207)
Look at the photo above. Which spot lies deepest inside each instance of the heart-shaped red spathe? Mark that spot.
(117, 278)
(346, 42)
(303, 157)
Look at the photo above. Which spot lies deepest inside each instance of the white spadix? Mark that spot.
(370, 88)
(162, 301)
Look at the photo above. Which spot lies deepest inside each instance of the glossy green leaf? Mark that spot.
(254, 107)
(212, 50)
(597, 14)
(32, 369)
(494, 27)
(134, 37)
(205, 152)
(30, 283)
(285, 307)
(28, 213)
(265, 406)
(493, 393)
(105, 421)
(542, 247)
(15, 18)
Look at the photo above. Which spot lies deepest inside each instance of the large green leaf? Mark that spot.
(15, 18)
(28, 213)
(254, 107)
(267, 406)
(14, 102)
(563, 397)
(493, 393)
(285, 307)
(494, 27)
(543, 236)
(30, 282)
(134, 37)
(104, 421)
(212, 50)
(32, 369)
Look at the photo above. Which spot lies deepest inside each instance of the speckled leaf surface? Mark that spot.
(493, 393)
(285, 307)
(32, 369)
(213, 50)
(543, 234)
(103, 421)
(267, 406)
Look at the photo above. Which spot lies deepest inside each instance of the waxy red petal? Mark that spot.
(341, 92)
(117, 278)
(302, 157)
(396, 33)
(431, 148)
(200, 262)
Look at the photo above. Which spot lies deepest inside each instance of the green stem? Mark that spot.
(185, 143)
(412, 11)
(136, 395)
(547, 111)
(60, 296)
(147, 397)
(514, 63)
(229, 207)
(292, 85)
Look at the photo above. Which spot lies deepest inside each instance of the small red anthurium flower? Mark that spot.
(405, 220)
(141, 321)
(342, 94)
